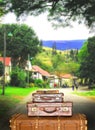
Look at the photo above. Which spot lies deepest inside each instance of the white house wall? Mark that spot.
(39, 76)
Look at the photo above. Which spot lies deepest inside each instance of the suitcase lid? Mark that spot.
(47, 94)
(78, 118)
(47, 91)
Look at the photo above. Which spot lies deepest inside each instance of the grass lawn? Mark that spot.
(16, 92)
(13, 95)
(85, 93)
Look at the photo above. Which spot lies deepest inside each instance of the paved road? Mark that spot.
(80, 105)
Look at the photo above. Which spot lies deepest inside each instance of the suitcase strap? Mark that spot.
(37, 123)
(58, 123)
(47, 98)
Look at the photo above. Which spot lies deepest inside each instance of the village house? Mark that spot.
(8, 67)
(39, 73)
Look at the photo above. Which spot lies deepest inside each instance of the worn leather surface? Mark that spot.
(47, 97)
(23, 122)
(47, 91)
(50, 109)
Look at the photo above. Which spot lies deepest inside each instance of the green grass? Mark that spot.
(88, 93)
(13, 95)
(16, 92)
(10, 91)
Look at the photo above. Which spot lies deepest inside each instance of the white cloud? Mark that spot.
(45, 31)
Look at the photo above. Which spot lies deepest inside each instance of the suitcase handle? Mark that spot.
(49, 110)
(47, 98)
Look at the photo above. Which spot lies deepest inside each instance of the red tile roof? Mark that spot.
(67, 76)
(7, 60)
(41, 71)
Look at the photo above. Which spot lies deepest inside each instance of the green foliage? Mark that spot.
(55, 61)
(41, 84)
(23, 42)
(74, 55)
(58, 63)
(10, 100)
(31, 85)
(83, 52)
(38, 82)
(18, 77)
(62, 12)
(42, 59)
(1, 68)
(88, 93)
(3, 9)
(87, 63)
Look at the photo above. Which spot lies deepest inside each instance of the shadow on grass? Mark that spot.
(6, 105)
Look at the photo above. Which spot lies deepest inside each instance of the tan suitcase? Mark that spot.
(47, 91)
(23, 122)
(49, 109)
(47, 97)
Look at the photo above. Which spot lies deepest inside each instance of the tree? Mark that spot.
(54, 49)
(87, 62)
(62, 11)
(83, 52)
(23, 42)
(2, 8)
(18, 77)
(73, 55)
(1, 69)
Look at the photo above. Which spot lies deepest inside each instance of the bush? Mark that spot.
(41, 84)
(18, 77)
(38, 83)
(31, 85)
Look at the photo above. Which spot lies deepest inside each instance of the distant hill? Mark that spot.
(64, 44)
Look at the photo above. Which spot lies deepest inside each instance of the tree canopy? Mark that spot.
(87, 63)
(61, 11)
(23, 42)
(83, 52)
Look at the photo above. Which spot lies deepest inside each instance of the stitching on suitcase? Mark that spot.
(58, 123)
(37, 122)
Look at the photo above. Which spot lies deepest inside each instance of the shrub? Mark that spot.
(38, 83)
(41, 84)
(31, 85)
(18, 77)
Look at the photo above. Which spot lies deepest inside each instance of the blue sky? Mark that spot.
(45, 31)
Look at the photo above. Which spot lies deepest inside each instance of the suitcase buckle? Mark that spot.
(33, 109)
(65, 109)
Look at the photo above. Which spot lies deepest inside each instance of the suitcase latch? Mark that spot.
(65, 109)
(33, 109)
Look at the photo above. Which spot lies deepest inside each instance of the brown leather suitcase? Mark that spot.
(23, 122)
(47, 91)
(49, 109)
(47, 97)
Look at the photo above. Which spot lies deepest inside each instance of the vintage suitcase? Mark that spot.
(49, 109)
(47, 97)
(47, 91)
(23, 122)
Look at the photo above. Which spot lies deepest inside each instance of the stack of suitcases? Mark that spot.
(49, 111)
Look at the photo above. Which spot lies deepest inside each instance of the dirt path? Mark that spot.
(80, 105)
